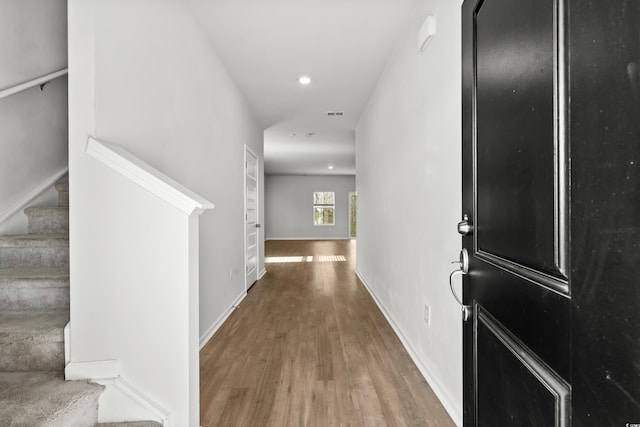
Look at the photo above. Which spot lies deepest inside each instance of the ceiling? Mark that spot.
(343, 45)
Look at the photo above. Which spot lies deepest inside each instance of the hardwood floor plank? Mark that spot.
(309, 347)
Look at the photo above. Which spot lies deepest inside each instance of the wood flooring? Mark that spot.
(309, 347)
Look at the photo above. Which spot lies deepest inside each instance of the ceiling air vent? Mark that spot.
(335, 113)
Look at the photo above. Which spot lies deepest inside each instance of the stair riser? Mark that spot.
(47, 224)
(63, 198)
(34, 257)
(32, 356)
(34, 299)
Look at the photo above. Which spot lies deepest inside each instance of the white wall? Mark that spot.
(143, 76)
(408, 158)
(33, 123)
(163, 94)
(289, 206)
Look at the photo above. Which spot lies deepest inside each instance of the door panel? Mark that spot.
(517, 343)
(515, 132)
(530, 393)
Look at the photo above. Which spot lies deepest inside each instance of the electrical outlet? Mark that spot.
(427, 315)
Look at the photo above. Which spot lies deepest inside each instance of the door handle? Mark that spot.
(462, 270)
(258, 226)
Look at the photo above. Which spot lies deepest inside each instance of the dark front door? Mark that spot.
(517, 343)
(551, 144)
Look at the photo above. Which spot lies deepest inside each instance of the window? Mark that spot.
(324, 206)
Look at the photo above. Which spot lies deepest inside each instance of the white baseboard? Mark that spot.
(27, 198)
(92, 370)
(120, 401)
(449, 404)
(204, 339)
(307, 238)
(67, 344)
(262, 273)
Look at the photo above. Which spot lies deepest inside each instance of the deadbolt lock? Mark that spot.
(465, 227)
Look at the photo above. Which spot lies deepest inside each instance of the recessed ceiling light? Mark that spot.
(310, 134)
(304, 80)
(330, 167)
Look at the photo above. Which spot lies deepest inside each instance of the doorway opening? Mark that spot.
(353, 210)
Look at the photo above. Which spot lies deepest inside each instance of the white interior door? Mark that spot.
(252, 227)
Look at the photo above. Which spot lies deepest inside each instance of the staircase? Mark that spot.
(34, 309)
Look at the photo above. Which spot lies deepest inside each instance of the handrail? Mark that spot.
(31, 83)
(147, 177)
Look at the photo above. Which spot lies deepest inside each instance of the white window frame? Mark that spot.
(314, 205)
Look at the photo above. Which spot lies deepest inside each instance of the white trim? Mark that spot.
(147, 177)
(31, 83)
(262, 273)
(158, 413)
(323, 205)
(93, 370)
(107, 373)
(204, 339)
(67, 345)
(308, 238)
(28, 198)
(449, 404)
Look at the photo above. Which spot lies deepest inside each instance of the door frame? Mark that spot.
(247, 149)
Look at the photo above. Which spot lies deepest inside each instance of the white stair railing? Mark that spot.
(43, 80)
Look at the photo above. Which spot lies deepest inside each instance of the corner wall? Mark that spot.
(408, 157)
(289, 206)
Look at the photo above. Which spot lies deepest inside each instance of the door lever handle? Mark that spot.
(464, 269)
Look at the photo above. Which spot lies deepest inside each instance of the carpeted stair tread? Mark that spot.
(32, 340)
(46, 210)
(34, 289)
(34, 240)
(62, 186)
(34, 277)
(63, 193)
(34, 250)
(38, 326)
(46, 399)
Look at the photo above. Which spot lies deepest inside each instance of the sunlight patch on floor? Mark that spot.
(331, 258)
(320, 258)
